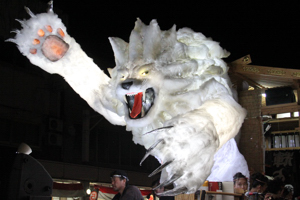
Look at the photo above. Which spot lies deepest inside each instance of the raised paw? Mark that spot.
(53, 47)
(42, 36)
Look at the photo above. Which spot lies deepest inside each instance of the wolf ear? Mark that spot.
(120, 48)
(110, 72)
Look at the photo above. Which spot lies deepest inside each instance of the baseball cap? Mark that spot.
(119, 173)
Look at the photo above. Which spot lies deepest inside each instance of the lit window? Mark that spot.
(283, 115)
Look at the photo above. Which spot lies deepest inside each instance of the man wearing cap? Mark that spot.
(119, 182)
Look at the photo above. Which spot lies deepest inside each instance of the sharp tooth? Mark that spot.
(125, 99)
(144, 96)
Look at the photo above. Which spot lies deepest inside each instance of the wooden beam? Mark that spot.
(296, 83)
(267, 71)
(250, 82)
(280, 108)
(283, 149)
(245, 60)
(286, 131)
(293, 119)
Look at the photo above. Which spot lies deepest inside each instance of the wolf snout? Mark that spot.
(127, 85)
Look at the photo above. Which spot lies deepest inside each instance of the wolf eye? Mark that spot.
(122, 77)
(145, 73)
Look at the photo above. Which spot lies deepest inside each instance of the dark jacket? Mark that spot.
(130, 193)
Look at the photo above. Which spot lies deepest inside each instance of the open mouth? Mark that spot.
(139, 103)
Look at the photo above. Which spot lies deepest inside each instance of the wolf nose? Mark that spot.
(127, 85)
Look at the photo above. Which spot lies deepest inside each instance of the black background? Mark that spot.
(268, 31)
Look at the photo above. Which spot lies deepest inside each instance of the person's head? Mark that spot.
(240, 183)
(275, 188)
(259, 183)
(288, 192)
(119, 180)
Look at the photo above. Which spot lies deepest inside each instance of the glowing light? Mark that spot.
(283, 115)
(88, 191)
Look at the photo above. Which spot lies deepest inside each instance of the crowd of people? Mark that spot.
(259, 187)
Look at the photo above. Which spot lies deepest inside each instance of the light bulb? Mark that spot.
(88, 191)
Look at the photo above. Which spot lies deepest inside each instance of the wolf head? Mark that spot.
(158, 73)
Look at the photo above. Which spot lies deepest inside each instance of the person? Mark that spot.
(258, 184)
(240, 183)
(156, 191)
(119, 182)
(288, 192)
(274, 190)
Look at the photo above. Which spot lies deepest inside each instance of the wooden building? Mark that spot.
(271, 119)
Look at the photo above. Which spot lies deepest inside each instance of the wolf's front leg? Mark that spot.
(44, 40)
(187, 143)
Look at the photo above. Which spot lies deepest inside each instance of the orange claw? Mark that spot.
(35, 41)
(33, 51)
(49, 28)
(41, 33)
(60, 32)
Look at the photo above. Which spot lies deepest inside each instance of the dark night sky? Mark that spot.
(268, 31)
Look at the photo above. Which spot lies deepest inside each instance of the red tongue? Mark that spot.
(137, 106)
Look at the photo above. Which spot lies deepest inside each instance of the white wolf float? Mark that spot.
(170, 88)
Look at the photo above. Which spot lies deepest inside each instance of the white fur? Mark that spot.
(192, 94)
